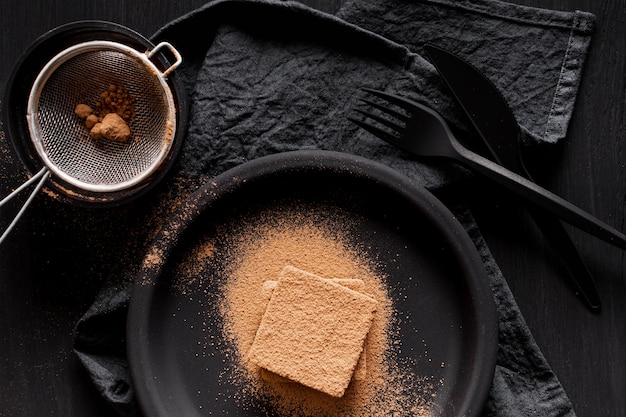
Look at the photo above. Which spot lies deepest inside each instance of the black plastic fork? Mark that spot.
(421, 131)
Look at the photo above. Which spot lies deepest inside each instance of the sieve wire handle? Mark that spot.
(42, 176)
(177, 55)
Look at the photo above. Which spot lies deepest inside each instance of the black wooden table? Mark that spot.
(40, 303)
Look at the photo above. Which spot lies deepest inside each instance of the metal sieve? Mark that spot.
(83, 168)
(80, 74)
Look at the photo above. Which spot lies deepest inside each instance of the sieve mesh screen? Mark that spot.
(65, 141)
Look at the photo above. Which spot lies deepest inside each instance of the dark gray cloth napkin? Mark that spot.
(266, 77)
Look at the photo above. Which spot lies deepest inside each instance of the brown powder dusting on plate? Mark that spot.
(318, 241)
(153, 258)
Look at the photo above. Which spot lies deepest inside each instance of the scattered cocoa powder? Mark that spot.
(169, 130)
(258, 251)
(153, 258)
(224, 266)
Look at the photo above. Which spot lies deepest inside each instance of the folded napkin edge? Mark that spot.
(576, 20)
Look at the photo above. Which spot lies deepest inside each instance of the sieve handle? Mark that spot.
(177, 55)
(42, 176)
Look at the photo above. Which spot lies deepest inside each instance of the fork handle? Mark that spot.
(540, 197)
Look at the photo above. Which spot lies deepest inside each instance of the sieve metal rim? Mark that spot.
(99, 45)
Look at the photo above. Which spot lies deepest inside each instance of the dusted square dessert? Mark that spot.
(313, 331)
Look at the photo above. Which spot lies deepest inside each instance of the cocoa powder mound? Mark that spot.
(318, 241)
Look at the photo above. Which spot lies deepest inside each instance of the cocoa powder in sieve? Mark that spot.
(111, 116)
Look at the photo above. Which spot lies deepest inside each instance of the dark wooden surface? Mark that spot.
(39, 304)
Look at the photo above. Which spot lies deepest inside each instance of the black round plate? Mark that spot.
(448, 328)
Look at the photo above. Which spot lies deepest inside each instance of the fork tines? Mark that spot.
(388, 120)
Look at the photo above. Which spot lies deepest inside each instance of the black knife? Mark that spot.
(492, 117)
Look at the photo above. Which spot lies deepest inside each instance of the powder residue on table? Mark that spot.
(320, 244)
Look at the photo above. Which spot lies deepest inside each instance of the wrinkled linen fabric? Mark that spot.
(537, 69)
(258, 88)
